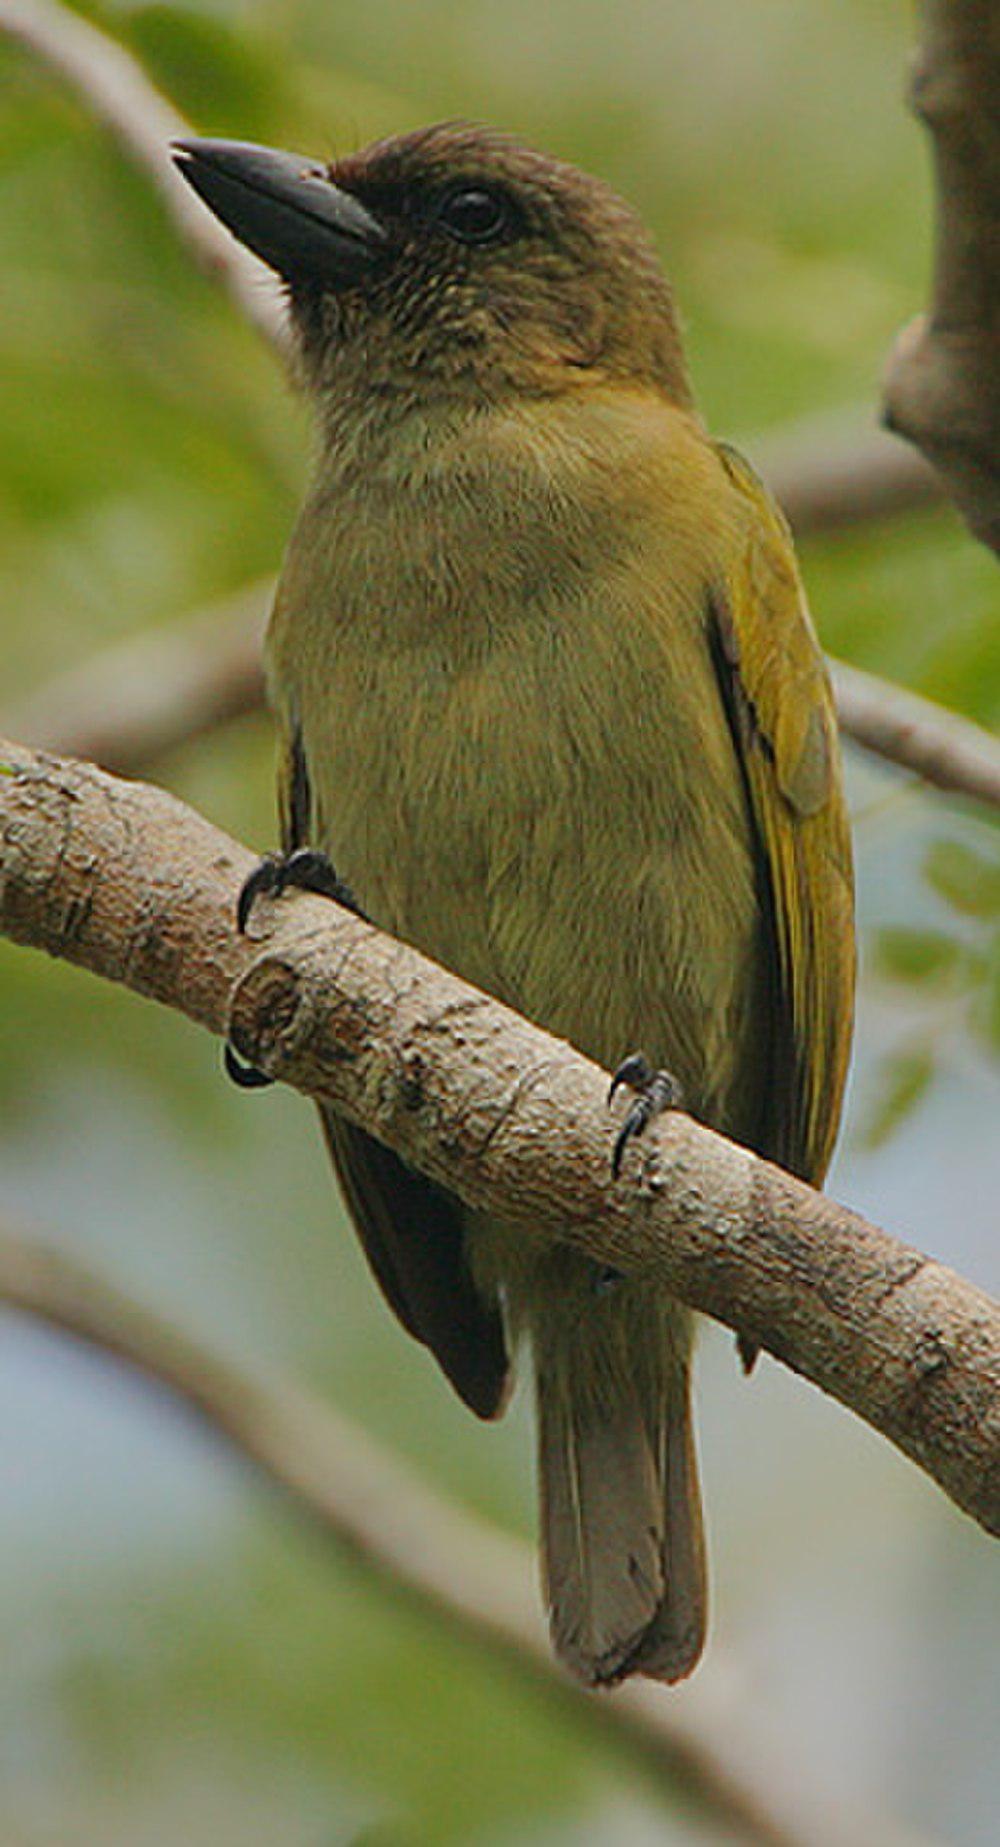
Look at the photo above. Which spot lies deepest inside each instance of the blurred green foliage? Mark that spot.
(952, 969)
(151, 461)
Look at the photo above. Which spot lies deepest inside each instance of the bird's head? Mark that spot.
(450, 264)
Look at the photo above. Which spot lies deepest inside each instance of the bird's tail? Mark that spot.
(623, 1555)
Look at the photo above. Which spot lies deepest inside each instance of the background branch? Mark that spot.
(132, 703)
(834, 472)
(919, 735)
(825, 477)
(456, 1568)
(117, 91)
(942, 386)
(126, 881)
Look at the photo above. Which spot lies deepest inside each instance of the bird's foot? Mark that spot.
(655, 1092)
(748, 1351)
(303, 870)
(247, 1077)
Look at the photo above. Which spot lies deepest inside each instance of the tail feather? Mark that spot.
(622, 1549)
(676, 1636)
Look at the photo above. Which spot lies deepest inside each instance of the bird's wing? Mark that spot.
(414, 1238)
(781, 710)
(411, 1230)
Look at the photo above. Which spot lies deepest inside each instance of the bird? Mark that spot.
(551, 709)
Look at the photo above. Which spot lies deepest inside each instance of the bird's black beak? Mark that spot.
(283, 207)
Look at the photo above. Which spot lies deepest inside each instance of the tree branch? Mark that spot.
(829, 473)
(117, 91)
(942, 386)
(134, 702)
(126, 881)
(919, 735)
(457, 1569)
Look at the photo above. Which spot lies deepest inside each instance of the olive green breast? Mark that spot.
(495, 648)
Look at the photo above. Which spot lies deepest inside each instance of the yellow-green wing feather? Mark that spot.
(785, 726)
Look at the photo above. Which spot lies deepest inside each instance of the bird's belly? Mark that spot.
(612, 900)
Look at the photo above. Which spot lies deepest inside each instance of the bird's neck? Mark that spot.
(446, 525)
(568, 445)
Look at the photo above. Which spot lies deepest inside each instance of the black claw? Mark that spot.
(748, 1351)
(307, 871)
(633, 1125)
(304, 870)
(635, 1071)
(657, 1091)
(311, 871)
(247, 1077)
(263, 880)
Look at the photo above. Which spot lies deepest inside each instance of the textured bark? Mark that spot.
(126, 881)
(943, 383)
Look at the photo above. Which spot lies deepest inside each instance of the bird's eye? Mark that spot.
(474, 215)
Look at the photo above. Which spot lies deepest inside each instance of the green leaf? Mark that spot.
(908, 954)
(986, 1006)
(967, 879)
(906, 1077)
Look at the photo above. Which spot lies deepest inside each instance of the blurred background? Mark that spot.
(179, 1659)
